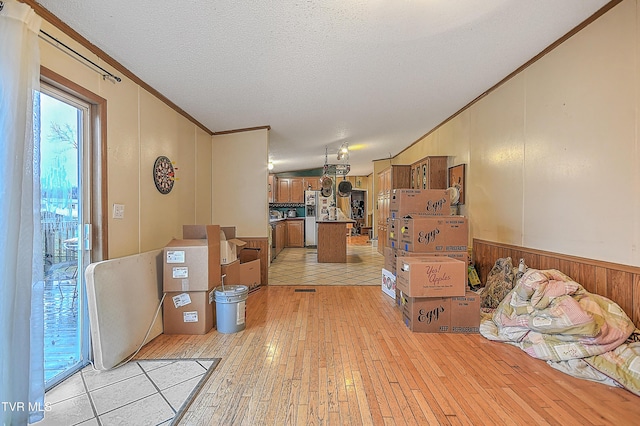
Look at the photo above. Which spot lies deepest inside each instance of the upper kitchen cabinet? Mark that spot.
(284, 191)
(312, 183)
(358, 182)
(290, 190)
(297, 190)
(429, 173)
(273, 186)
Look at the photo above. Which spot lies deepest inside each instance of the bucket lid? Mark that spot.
(231, 290)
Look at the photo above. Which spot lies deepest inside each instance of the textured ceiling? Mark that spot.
(377, 74)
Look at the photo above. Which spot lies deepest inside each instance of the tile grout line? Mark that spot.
(88, 393)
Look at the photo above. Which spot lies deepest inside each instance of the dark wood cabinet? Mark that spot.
(429, 173)
(393, 177)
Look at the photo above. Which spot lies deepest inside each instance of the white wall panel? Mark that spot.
(240, 177)
(162, 132)
(123, 162)
(203, 177)
(580, 143)
(494, 180)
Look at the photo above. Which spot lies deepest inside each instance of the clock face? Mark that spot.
(163, 174)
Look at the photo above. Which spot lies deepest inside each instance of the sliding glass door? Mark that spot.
(63, 138)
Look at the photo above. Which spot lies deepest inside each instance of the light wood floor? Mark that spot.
(342, 355)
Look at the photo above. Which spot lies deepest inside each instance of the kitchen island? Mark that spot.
(332, 240)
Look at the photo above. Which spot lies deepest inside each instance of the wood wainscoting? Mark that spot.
(263, 244)
(620, 283)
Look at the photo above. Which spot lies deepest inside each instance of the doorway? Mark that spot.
(63, 137)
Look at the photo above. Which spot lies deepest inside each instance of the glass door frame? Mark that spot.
(94, 188)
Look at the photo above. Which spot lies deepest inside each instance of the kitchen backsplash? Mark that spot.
(285, 207)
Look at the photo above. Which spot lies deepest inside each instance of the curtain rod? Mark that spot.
(106, 74)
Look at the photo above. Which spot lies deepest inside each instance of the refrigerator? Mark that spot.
(310, 215)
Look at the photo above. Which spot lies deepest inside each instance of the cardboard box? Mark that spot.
(250, 273)
(232, 272)
(247, 254)
(390, 259)
(191, 312)
(394, 231)
(389, 283)
(229, 245)
(459, 255)
(419, 202)
(427, 314)
(391, 255)
(192, 263)
(431, 276)
(443, 315)
(434, 234)
(465, 313)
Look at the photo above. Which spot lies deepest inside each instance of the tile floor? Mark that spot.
(144, 392)
(299, 266)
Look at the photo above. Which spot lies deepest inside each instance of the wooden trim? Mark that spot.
(247, 129)
(66, 29)
(604, 9)
(565, 257)
(615, 281)
(99, 201)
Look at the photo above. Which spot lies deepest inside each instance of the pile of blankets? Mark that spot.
(553, 318)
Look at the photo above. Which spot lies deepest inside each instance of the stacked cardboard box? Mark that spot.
(191, 271)
(194, 266)
(419, 202)
(443, 314)
(427, 254)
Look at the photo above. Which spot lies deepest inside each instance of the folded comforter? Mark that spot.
(551, 317)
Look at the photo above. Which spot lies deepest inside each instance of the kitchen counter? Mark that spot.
(285, 218)
(332, 241)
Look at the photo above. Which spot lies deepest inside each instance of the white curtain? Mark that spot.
(21, 340)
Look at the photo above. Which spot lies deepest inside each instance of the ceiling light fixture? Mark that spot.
(270, 165)
(343, 152)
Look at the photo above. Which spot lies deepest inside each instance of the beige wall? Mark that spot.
(140, 128)
(553, 156)
(240, 176)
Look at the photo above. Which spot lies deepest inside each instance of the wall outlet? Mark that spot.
(118, 211)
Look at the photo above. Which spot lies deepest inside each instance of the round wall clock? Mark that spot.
(163, 174)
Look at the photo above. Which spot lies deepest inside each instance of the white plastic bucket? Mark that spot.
(231, 308)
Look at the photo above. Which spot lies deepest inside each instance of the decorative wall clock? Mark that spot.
(163, 174)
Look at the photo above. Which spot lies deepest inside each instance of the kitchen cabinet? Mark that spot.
(290, 190)
(297, 187)
(393, 177)
(273, 182)
(278, 237)
(295, 232)
(429, 173)
(284, 191)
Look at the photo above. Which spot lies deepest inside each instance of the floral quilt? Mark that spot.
(553, 318)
